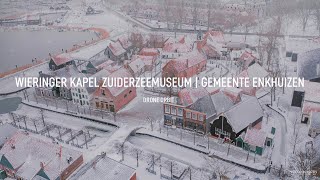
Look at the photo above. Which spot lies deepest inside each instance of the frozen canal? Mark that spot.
(19, 48)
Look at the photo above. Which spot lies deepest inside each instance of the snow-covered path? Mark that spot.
(168, 149)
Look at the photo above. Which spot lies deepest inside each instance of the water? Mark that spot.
(9, 104)
(19, 48)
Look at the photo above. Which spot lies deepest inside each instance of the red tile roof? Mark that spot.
(61, 59)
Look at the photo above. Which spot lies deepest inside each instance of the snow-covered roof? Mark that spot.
(105, 64)
(247, 57)
(6, 132)
(136, 65)
(149, 52)
(114, 90)
(255, 137)
(61, 59)
(27, 152)
(101, 74)
(244, 113)
(180, 46)
(312, 91)
(107, 168)
(189, 96)
(96, 63)
(301, 45)
(221, 102)
(67, 72)
(188, 60)
(116, 48)
(147, 60)
(309, 107)
(204, 105)
(90, 51)
(255, 70)
(315, 120)
(217, 36)
(309, 64)
(125, 41)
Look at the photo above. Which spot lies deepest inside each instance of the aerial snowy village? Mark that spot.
(127, 133)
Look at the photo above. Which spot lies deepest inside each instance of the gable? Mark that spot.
(43, 174)
(90, 65)
(4, 162)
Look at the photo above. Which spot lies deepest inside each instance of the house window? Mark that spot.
(125, 95)
(200, 117)
(173, 110)
(180, 111)
(167, 109)
(130, 92)
(188, 114)
(102, 92)
(227, 135)
(194, 116)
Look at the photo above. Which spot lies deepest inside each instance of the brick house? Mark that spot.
(26, 157)
(113, 98)
(173, 114)
(185, 66)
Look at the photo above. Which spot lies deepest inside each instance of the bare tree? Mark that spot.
(219, 168)
(209, 13)
(301, 162)
(166, 9)
(304, 12)
(296, 139)
(195, 14)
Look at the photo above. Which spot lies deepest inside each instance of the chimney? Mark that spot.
(41, 165)
(94, 164)
(13, 146)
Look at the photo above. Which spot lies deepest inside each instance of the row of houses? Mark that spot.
(24, 156)
(308, 97)
(225, 113)
(109, 99)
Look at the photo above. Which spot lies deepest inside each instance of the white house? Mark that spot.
(82, 95)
